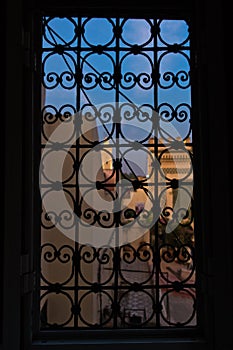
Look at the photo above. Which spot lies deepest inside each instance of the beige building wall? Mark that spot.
(52, 240)
(174, 164)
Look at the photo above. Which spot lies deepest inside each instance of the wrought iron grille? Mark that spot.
(117, 227)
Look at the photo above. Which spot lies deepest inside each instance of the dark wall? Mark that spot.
(216, 66)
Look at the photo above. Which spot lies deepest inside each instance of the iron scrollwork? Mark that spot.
(137, 284)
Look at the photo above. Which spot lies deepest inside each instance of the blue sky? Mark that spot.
(98, 31)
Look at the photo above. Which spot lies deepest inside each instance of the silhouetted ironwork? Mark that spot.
(150, 284)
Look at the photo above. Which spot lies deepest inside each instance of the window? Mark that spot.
(116, 137)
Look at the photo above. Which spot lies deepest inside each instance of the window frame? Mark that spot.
(119, 333)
